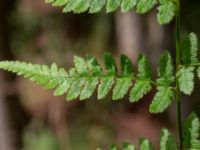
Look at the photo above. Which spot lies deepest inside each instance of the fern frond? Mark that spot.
(87, 75)
(167, 9)
(191, 132)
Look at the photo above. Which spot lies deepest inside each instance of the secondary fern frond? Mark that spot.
(167, 8)
(87, 76)
(167, 142)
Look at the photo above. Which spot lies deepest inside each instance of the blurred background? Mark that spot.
(32, 119)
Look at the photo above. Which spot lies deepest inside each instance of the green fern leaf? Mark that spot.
(105, 86)
(144, 69)
(127, 146)
(124, 82)
(112, 5)
(63, 87)
(75, 89)
(93, 66)
(70, 5)
(89, 87)
(191, 132)
(189, 49)
(36, 73)
(110, 64)
(144, 6)
(167, 141)
(140, 89)
(186, 79)
(81, 6)
(161, 100)
(87, 76)
(121, 88)
(165, 95)
(96, 5)
(126, 66)
(127, 5)
(145, 144)
(166, 12)
(165, 70)
(80, 65)
(142, 86)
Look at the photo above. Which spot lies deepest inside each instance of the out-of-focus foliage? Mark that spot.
(38, 137)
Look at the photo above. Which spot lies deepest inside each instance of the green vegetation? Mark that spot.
(87, 75)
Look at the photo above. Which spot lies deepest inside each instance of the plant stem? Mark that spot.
(178, 61)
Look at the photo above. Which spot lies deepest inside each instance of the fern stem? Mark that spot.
(178, 62)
